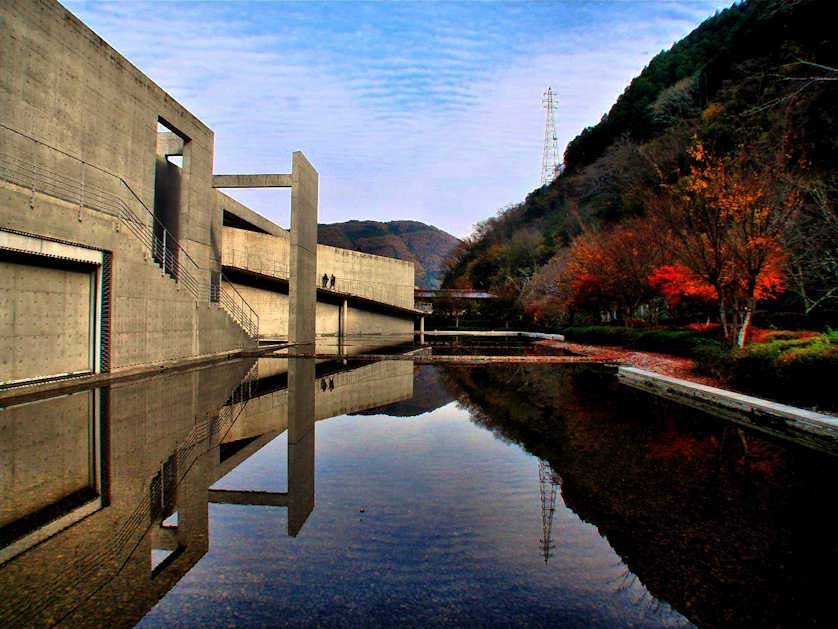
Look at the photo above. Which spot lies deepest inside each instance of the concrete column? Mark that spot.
(421, 330)
(302, 291)
(300, 442)
(344, 326)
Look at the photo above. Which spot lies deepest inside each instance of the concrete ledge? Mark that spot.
(532, 335)
(809, 428)
(252, 181)
(25, 392)
(421, 359)
(25, 243)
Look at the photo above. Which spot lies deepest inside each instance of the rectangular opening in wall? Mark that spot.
(171, 167)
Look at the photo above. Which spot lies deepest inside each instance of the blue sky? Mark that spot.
(418, 110)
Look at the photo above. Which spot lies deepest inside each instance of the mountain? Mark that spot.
(754, 83)
(424, 245)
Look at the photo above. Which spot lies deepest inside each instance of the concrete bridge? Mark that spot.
(369, 305)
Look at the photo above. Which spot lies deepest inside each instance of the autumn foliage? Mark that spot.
(714, 236)
(676, 281)
(610, 269)
(727, 218)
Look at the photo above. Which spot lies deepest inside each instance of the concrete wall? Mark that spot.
(63, 85)
(70, 89)
(387, 280)
(272, 308)
(366, 330)
(45, 321)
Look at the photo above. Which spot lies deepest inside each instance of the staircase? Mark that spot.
(34, 165)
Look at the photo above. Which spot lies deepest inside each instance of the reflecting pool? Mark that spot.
(284, 492)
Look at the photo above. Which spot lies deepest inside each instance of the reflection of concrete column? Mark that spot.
(193, 514)
(344, 329)
(302, 290)
(300, 442)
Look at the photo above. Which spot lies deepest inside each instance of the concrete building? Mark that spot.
(113, 225)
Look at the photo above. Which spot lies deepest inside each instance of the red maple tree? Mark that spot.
(727, 218)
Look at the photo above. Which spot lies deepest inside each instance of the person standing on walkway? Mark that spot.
(332, 282)
(325, 280)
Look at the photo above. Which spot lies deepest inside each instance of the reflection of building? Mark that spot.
(115, 239)
(449, 301)
(104, 493)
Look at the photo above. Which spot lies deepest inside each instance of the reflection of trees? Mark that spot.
(722, 535)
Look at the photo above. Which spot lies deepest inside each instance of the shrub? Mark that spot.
(795, 367)
(797, 370)
(677, 342)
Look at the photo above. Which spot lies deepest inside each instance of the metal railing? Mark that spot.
(225, 294)
(395, 294)
(56, 173)
(257, 263)
(385, 292)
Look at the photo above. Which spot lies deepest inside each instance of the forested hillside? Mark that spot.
(708, 189)
(424, 245)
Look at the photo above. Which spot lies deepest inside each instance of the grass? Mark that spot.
(801, 370)
(794, 367)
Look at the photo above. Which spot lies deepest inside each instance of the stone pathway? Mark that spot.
(660, 363)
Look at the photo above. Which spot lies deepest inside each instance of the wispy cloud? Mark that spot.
(428, 111)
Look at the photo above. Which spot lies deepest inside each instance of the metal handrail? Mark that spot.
(238, 307)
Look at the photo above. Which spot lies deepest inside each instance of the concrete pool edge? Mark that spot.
(803, 426)
(70, 384)
(531, 335)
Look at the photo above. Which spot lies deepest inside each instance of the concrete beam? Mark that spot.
(252, 181)
(247, 497)
(230, 205)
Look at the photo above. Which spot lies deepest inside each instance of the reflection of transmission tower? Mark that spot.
(550, 164)
(548, 483)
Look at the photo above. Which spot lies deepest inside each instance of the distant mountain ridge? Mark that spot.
(424, 245)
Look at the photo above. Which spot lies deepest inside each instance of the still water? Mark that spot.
(376, 494)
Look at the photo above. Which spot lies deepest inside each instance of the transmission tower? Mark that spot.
(548, 484)
(551, 165)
